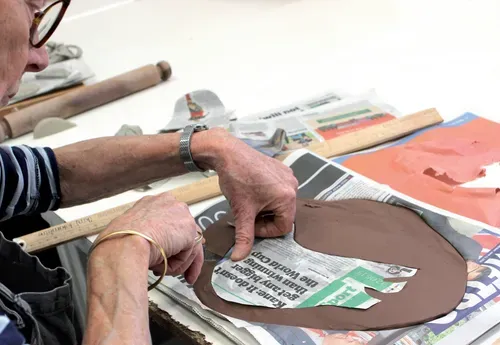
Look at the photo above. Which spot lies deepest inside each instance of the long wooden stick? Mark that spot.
(32, 101)
(209, 188)
(83, 99)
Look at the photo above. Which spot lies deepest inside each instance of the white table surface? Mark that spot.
(81, 8)
(257, 54)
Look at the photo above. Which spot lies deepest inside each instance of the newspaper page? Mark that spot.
(476, 241)
(288, 128)
(316, 120)
(305, 106)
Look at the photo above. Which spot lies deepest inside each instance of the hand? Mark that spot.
(171, 225)
(340, 339)
(253, 183)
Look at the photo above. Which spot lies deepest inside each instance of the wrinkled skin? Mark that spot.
(16, 54)
(340, 339)
(169, 223)
(254, 183)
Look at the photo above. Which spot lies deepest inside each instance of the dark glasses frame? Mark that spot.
(39, 17)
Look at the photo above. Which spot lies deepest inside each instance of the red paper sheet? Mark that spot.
(431, 165)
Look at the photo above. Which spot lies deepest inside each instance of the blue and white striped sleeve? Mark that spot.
(29, 181)
(9, 334)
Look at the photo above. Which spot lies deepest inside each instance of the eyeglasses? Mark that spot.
(46, 21)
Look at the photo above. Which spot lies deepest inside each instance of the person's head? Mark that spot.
(23, 31)
(475, 271)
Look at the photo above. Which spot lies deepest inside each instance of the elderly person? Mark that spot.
(34, 180)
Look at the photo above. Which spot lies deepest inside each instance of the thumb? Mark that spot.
(276, 226)
(245, 233)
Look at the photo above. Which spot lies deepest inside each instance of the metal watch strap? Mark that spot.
(185, 146)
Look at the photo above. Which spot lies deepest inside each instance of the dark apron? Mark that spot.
(36, 298)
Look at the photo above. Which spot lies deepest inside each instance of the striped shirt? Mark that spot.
(29, 184)
(29, 181)
(9, 335)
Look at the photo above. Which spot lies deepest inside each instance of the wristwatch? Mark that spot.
(185, 146)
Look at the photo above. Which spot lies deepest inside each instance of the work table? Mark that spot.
(261, 54)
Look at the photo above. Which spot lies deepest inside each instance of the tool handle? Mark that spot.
(376, 135)
(87, 226)
(31, 101)
(209, 187)
(73, 103)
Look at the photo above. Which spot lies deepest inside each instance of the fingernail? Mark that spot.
(239, 255)
(236, 256)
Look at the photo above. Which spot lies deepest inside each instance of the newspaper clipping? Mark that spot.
(279, 273)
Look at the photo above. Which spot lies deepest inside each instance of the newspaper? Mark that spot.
(477, 242)
(305, 106)
(268, 142)
(288, 128)
(316, 119)
(280, 273)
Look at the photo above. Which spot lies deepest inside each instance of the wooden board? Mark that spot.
(209, 188)
(164, 320)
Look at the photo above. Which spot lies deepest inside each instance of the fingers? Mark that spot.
(190, 267)
(247, 228)
(179, 263)
(158, 269)
(245, 233)
(176, 264)
(279, 225)
(194, 270)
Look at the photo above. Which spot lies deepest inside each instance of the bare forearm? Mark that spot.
(99, 168)
(117, 293)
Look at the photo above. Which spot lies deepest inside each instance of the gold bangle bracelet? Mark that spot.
(149, 239)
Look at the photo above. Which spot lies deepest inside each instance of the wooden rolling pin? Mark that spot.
(73, 103)
(31, 101)
(209, 187)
